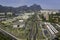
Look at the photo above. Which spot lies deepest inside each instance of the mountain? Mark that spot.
(25, 8)
(6, 9)
(22, 8)
(35, 7)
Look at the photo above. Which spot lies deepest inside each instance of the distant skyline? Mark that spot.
(45, 4)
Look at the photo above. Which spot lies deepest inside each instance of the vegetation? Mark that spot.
(4, 37)
(34, 29)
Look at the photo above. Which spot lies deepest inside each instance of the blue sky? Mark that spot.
(45, 4)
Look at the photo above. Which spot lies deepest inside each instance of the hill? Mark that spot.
(25, 8)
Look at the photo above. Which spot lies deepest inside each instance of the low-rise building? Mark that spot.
(19, 24)
(47, 12)
(26, 15)
(9, 13)
(2, 16)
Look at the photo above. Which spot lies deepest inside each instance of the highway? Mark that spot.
(6, 33)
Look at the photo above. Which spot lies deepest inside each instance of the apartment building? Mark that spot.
(9, 13)
(19, 24)
(2, 16)
(46, 12)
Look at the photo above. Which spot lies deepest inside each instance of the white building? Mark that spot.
(49, 11)
(46, 12)
(9, 13)
(28, 14)
(19, 24)
(2, 15)
(21, 20)
(14, 26)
